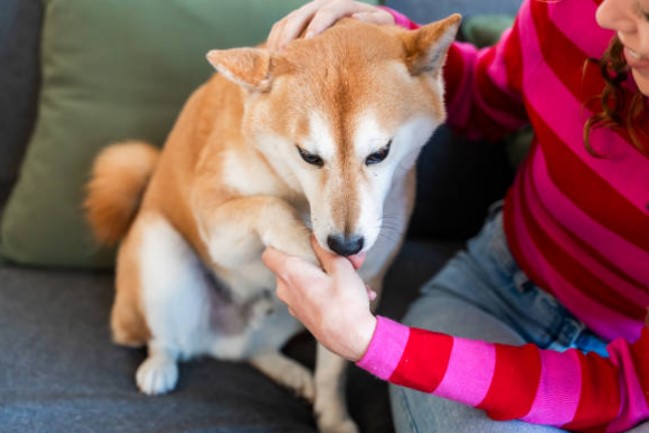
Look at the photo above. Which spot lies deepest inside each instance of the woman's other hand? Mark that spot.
(318, 15)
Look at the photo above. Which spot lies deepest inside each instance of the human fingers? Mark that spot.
(292, 25)
(299, 299)
(330, 262)
(291, 269)
(282, 292)
(273, 258)
(332, 11)
(356, 260)
(377, 16)
(371, 294)
(277, 261)
(288, 296)
(315, 17)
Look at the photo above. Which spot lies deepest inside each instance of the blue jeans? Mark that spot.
(482, 294)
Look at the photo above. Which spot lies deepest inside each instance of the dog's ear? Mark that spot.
(248, 67)
(426, 47)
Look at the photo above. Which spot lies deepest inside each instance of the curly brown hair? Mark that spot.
(615, 111)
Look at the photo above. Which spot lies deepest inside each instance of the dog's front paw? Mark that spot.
(291, 236)
(157, 375)
(299, 245)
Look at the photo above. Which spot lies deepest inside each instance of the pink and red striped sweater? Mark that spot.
(577, 224)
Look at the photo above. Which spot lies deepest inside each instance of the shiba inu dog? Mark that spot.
(320, 138)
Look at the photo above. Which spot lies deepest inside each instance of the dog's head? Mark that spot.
(343, 115)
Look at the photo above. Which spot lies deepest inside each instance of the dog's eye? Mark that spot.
(379, 155)
(310, 158)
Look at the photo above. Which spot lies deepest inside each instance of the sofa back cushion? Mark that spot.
(111, 70)
(424, 11)
(458, 178)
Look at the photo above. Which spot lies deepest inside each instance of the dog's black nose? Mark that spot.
(345, 245)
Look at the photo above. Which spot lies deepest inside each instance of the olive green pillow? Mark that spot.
(485, 29)
(112, 70)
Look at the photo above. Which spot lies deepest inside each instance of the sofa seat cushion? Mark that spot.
(59, 371)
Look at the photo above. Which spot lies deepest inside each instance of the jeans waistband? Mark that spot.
(535, 313)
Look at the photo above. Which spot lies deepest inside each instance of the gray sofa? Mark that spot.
(59, 371)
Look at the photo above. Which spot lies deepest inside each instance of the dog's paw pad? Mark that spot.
(157, 376)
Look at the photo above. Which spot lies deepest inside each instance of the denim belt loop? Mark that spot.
(522, 283)
(570, 332)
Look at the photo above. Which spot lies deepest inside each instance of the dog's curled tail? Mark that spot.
(119, 178)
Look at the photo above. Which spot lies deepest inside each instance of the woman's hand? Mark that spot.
(333, 302)
(318, 15)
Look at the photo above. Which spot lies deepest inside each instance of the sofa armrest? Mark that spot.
(20, 28)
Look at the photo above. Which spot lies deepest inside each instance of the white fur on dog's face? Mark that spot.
(345, 195)
(319, 109)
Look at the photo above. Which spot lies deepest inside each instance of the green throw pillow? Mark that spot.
(485, 29)
(112, 70)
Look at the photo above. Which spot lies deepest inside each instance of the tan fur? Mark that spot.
(230, 183)
(127, 319)
(120, 175)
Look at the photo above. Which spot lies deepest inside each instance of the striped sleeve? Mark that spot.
(568, 389)
(483, 96)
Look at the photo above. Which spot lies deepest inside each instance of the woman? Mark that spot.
(562, 265)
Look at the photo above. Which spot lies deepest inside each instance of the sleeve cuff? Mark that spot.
(385, 349)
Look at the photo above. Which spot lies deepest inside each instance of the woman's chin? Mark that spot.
(642, 80)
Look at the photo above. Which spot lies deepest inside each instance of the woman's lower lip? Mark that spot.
(635, 62)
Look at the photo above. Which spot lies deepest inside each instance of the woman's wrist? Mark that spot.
(363, 336)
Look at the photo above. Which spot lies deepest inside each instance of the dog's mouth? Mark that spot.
(357, 260)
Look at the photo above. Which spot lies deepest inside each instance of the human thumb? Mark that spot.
(328, 260)
(375, 17)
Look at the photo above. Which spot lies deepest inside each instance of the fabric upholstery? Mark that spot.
(59, 372)
(112, 70)
(424, 11)
(20, 23)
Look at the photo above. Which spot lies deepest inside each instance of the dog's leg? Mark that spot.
(273, 333)
(250, 224)
(286, 372)
(158, 374)
(175, 303)
(236, 233)
(128, 326)
(330, 401)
